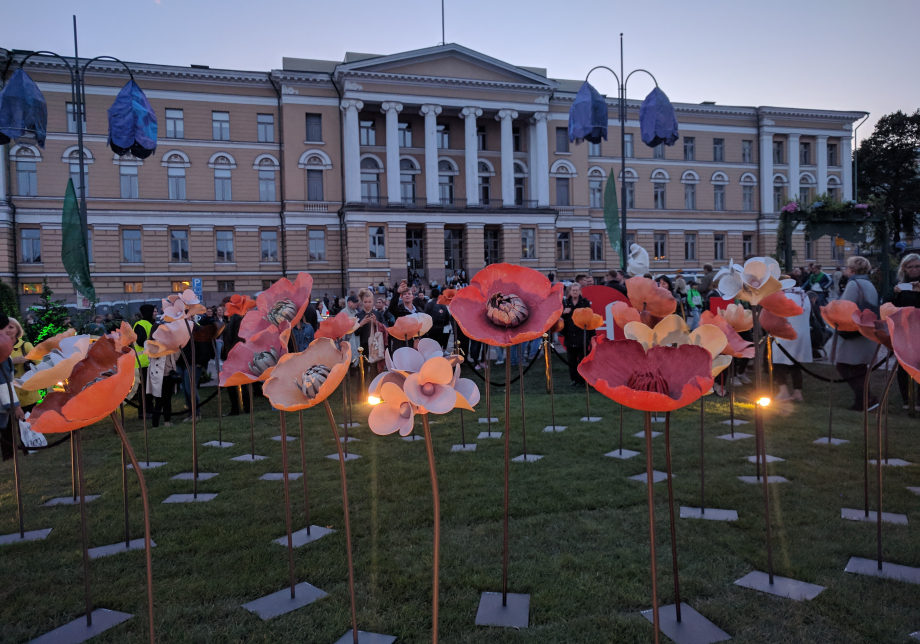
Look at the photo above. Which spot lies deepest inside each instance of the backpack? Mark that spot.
(440, 316)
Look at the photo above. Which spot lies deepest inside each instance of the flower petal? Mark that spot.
(839, 315)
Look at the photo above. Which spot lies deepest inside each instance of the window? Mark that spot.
(267, 284)
(225, 246)
(315, 185)
(809, 247)
(267, 184)
(222, 190)
(718, 150)
(689, 148)
(180, 286)
(690, 246)
(596, 244)
(563, 247)
(747, 152)
(779, 195)
(661, 246)
(747, 245)
(133, 287)
(377, 243)
(220, 126)
(368, 133)
(630, 240)
(594, 149)
(492, 246)
(226, 286)
(314, 128)
(131, 246)
(175, 124)
(718, 197)
(660, 202)
(481, 138)
(833, 188)
(562, 139)
(31, 245)
(832, 159)
(445, 183)
(485, 189)
(80, 187)
(747, 198)
(518, 141)
(805, 153)
(837, 249)
(407, 181)
(370, 181)
(630, 194)
(520, 185)
(718, 246)
(268, 240)
(528, 243)
(176, 179)
(443, 137)
(178, 246)
(805, 194)
(72, 119)
(405, 135)
(128, 177)
(266, 126)
(628, 147)
(690, 196)
(562, 191)
(27, 178)
(778, 152)
(453, 249)
(318, 244)
(33, 288)
(658, 151)
(596, 193)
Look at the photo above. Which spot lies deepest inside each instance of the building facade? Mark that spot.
(368, 170)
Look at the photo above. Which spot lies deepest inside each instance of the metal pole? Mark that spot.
(82, 480)
(303, 462)
(702, 457)
(220, 413)
(621, 104)
(124, 484)
(878, 439)
(548, 347)
(521, 386)
(78, 115)
(287, 501)
(830, 389)
(758, 429)
(252, 427)
(866, 430)
(587, 386)
(507, 480)
(667, 455)
(16, 472)
(488, 388)
(436, 502)
(650, 482)
(621, 430)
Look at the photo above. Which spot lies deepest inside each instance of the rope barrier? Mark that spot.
(833, 381)
(559, 355)
(25, 449)
(513, 380)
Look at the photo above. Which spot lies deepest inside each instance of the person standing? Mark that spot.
(908, 273)
(440, 320)
(694, 305)
(789, 373)
(820, 282)
(854, 353)
(161, 384)
(7, 445)
(238, 398)
(575, 337)
(27, 399)
(143, 328)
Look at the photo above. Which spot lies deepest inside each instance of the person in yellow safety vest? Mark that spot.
(694, 305)
(144, 329)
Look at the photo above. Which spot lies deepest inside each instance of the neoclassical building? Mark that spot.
(366, 170)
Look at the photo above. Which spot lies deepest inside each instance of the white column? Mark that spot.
(352, 151)
(532, 162)
(766, 173)
(846, 160)
(471, 158)
(392, 111)
(540, 173)
(507, 143)
(430, 112)
(793, 166)
(822, 164)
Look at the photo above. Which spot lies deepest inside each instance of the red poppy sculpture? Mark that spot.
(253, 360)
(282, 301)
(904, 328)
(647, 297)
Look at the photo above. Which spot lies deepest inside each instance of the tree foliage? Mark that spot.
(8, 302)
(51, 316)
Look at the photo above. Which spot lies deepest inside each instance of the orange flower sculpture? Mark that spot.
(45, 347)
(887, 309)
(777, 325)
(57, 366)
(253, 360)
(623, 314)
(97, 385)
(305, 379)
(337, 327)
(506, 305)
(904, 328)
(585, 318)
(283, 301)
(839, 315)
(737, 346)
(661, 379)
(447, 296)
(645, 295)
(781, 304)
(167, 339)
(239, 305)
(740, 318)
(872, 327)
(411, 326)
(124, 336)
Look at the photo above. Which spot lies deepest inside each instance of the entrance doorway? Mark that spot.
(415, 252)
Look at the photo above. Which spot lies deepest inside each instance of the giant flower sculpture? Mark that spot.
(283, 301)
(740, 318)
(45, 347)
(782, 305)
(647, 297)
(167, 339)
(124, 336)
(756, 280)
(56, 366)
(337, 327)
(182, 306)
(253, 360)
(447, 296)
(777, 325)
(411, 326)
(506, 305)
(586, 319)
(239, 305)
(303, 380)
(904, 328)
(673, 331)
(839, 315)
(623, 314)
(737, 346)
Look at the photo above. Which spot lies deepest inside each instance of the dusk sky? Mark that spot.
(830, 54)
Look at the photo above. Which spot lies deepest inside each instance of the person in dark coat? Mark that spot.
(574, 336)
(231, 339)
(403, 301)
(8, 423)
(908, 273)
(440, 319)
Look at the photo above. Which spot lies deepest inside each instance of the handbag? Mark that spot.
(30, 438)
(377, 345)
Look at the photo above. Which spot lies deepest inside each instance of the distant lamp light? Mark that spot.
(373, 400)
(763, 401)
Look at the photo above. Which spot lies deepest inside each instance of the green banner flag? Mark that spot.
(73, 245)
(612, 214)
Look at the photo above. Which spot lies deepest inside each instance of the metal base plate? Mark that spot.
(469, 447)
(485, 421)
(278, 438)
(869, 567)
(530, 458)
(148, 466)
(915, 490)
(301, 538)
(657, 419)
(622, 454)
(489, 435)
(351, 439)
(188, 476)
(217, 444)
(555, 428)
(411, 438)
(737, 437)
(515, 615)
(366, 638)
(893, 462)
(280, 602)
(657, 476)
(115, 548)
(770, 459)
(711, 514)
(248, 458)
(350, 425)
(692, 628)
(279, 476)
(590, 419)
(31, 535)
(834, 441)
(916, 635)
(860, 515)
(69, 500)
(190, 498)
(77, 631)
(348, 457)
(782, 586)
(770, 479)
(642, 434)
(738, 421)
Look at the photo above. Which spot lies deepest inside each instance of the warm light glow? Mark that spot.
(763, 402)
(373, 400)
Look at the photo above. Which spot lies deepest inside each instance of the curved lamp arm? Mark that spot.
(128, 69)
(626, 80)
(47, 53)
(608, 69)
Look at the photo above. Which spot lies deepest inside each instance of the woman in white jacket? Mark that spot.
(783, 368)
(161, 384)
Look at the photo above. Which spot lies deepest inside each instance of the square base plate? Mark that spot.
(217, 444)
(187, 476)
(68, 500)
(248, 458)
(555, 428)
(77, 631)
(278, 438)
(485, 421)
(147, 466)
(916, 635)
(469, 447)
(530, 458)
(515, 615)
(590, 419)
(657, 419)
(770, 459)
(642, 434)
(869, 567)
(738, 421)
(350, 425)
(622, 454)
(115, 548)
(915, 490)
(279, 476)
(280, 602)
(893, 462)
(692, 628)
(366, 638)
(782, 586)
(190, 498)
(411, 438)
(770, 479)
(860, 515)
(348, 457)
(301, 538)
(31, 535)
(657, 477)
(834, 441)
(711, 514)
(351, 439)
(737, 437)
(489, 435)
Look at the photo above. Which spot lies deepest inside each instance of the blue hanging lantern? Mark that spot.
(588, 116)
(657, 120)
(23, 112)
(132, 123)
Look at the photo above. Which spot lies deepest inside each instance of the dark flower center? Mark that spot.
(649, 380)
(506, 310)
(263, 360)
(281, 311)
(312, 379)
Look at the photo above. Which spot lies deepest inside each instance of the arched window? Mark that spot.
(659, 184)
(370, 181)
(267, 168)
(807, 186)
(446, 173)
(748, 181)
(779, 192)
(80, 185)
(407, 172)
(222, 178)
(596, 188)
(833, 188)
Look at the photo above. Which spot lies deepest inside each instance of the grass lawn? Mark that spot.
(579, 529)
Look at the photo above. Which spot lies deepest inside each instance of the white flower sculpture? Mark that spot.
(756, 280)
(55, 366)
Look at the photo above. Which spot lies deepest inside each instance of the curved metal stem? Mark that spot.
(866, 429)
(507, 499)
(650, 483)
(287, 501)
(521, 385)
(667, 456)
(759, 429)
(878, 438)
(608, 69)
(436, 502)
(702, 456)
(87, 594)
(303, 462)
